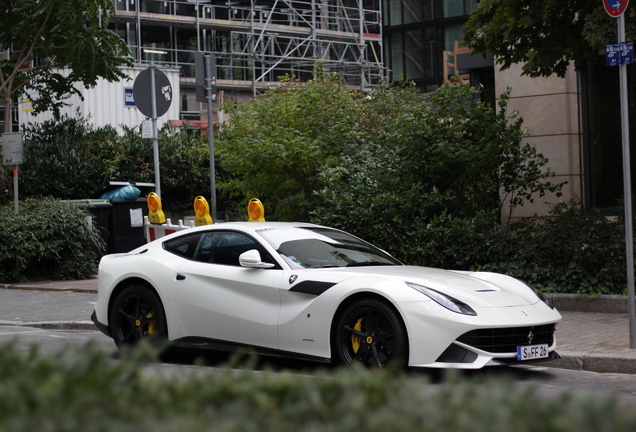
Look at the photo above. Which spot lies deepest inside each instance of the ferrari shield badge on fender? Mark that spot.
(292, 279)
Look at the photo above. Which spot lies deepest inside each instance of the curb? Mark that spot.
(54, 325)
(604, 303)
(600, 363)
(89, 287)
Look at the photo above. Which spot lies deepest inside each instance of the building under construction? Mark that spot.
(255, 42)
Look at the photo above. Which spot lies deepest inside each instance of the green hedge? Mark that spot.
(88, 391)
(573, 249)
(47, 239)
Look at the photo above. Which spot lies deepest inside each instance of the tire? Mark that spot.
(137, 314)
(372, 333)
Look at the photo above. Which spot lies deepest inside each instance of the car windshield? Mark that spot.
(315, 247)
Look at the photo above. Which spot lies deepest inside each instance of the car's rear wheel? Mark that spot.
(137, 314)
(372, 333)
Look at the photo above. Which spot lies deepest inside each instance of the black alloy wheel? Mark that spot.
(137, 314)
(371, 332)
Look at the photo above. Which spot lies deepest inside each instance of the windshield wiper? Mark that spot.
(369, 264)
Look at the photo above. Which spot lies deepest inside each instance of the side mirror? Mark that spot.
(252, 259)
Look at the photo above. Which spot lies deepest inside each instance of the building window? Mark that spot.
(412, 11)
(603, 134)
(395, 48)
(453, 8)
(413, 54)
(416, 34)
(433, 52)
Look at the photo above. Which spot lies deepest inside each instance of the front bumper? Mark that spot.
(442, 339)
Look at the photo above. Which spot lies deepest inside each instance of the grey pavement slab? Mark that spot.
(595, 341)
(50, 309)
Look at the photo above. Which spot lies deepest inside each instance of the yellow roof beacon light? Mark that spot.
(255, 211)
(155, 214)
(202, 212)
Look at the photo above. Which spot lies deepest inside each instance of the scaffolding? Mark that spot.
(256, 42)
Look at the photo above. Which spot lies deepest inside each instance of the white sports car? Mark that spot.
(308, 291)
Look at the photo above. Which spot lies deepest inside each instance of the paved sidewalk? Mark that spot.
(58, 305)
(593, 336)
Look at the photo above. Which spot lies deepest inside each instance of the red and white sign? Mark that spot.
(615, 8)
(154, 231)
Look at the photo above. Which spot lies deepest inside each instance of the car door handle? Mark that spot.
(180, 277)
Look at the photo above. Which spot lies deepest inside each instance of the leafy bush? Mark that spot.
(472, 152)
(275, 146)
(66, 159)
(88, 391)
(573, 249)
(47, 239)
(184, 165)
(72, 159)
(430, 193)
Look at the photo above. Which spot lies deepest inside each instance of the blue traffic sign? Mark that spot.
(619, 53)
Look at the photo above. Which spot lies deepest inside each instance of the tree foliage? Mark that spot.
(275, 146)
(70, 158)
(55, 35)
(543, 35)
(434, 192)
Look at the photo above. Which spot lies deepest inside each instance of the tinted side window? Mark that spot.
(225, 247)
(184, 246)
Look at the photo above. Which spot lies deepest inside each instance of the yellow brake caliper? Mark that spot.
(355, 340)
(151, 324)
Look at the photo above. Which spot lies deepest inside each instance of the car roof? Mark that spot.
(250, 227)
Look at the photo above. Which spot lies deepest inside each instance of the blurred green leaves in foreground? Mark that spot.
(90, 391)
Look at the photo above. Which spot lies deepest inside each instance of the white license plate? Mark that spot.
(530, 352)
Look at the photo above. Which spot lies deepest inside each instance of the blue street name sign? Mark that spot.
(619, 53)
(129, 98)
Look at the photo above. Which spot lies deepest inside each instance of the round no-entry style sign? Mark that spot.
(143, 95)
(615, 8)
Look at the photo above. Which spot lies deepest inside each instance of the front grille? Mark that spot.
(506, 340)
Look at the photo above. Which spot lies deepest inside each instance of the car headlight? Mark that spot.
(450, 303)
(541, 296)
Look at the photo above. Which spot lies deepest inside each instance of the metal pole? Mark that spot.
(629, 233)
(15, 189)
(15, 210)
(208, 90)
(198, 30)
(155, 139)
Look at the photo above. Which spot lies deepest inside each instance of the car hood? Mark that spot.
(481, 289)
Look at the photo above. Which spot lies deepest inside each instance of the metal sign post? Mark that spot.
(152, 92)
(616, 8)
(210, 84)
(629, 233)
(155, 138)
(205, 66)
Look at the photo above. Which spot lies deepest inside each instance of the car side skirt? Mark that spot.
(218, 345)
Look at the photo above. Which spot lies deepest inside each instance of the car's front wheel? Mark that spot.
(137, 314)
(371, 332)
